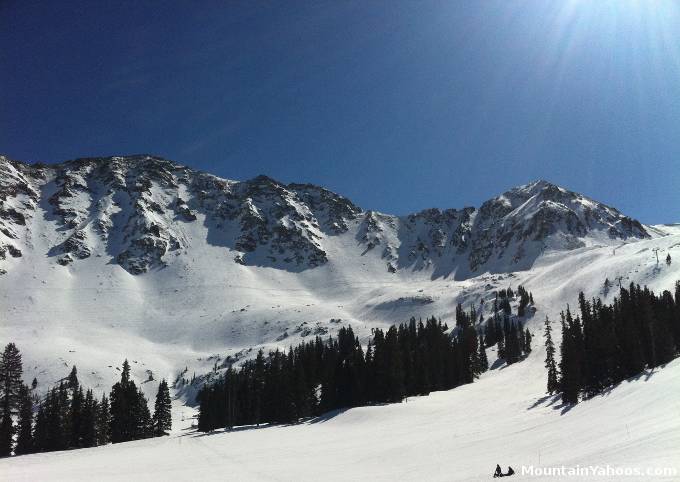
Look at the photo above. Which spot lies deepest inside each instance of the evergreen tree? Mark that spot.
(103, 422)
(129, 414)
(141, 417)
(10, 388)
(525, 298)
(40, 434)
(501, 348)
(88, 425)
(258, 387)
(73, 383)
(527, 342)
(571, 359)
(50, 430)
(388, 366)
(25, 425)
(553, 385)
(75, 416)
(60, 428)
(125, 373)
(659, 319)
(632, 360)
(483, 359)
(10, 377)
(162, 418)
(7, 431)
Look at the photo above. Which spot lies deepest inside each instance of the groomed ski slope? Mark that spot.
(456, 435)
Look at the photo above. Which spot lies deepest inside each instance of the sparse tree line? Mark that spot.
(607, 344)
(71, 417)
(319, 376)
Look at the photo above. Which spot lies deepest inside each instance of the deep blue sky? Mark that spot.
(399, 105)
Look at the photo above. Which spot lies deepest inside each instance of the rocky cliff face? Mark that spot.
(19, 197)
(135, 210)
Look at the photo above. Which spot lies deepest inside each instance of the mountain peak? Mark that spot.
(537, 186)
(540, 187)
(264, 179)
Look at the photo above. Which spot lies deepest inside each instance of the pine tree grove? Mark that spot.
(608, 343)
(71, 417)
(414, 358)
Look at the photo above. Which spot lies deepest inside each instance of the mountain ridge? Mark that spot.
(134, 205)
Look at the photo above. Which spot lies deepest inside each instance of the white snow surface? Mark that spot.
(187, 316)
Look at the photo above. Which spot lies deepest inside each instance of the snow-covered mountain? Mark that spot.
(176, 269)
(187, 266)
(135, 211)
